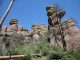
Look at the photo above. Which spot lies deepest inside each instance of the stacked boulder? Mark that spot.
(38, 30)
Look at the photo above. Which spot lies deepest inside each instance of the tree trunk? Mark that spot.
(5, 15)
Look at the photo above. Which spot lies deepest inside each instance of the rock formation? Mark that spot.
(72, 34)
(15, 34)
(71, 27)
(55, 26)
(60, 33)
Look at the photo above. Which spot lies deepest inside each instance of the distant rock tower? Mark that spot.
(12, 25)
(55, 27)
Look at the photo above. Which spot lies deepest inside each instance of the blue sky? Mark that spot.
(29, 12)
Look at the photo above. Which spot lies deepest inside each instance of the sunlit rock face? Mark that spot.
(70, 30)
(4, 28)
(71, 27)
(74, 42)
(72, 36)
(11, 28)
(39, 29)
(19, 35)
(20, 28)
(35, 37)
(13, 25)
(13, 32)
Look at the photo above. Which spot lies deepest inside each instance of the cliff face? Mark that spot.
(72, 34)
(13, 35)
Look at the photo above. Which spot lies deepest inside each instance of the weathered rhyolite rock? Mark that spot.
(70, 32)
(71, 27)
(24, 36)
(15, 34)
(55, 27)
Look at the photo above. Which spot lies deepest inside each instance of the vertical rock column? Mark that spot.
(55, 27)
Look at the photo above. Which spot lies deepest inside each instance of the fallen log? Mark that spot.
(12, 57)
(17, 56)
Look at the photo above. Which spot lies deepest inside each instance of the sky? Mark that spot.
(29, 12)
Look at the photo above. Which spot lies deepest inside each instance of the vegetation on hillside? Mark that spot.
(43, 51)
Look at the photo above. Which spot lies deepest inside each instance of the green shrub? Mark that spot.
(75, 54)
(28, 49)
(58, 55)
(55, 55)
(24, 50)
(14, 51)
(1, 52)
(28, 57)
(45, 49)
(68, 57)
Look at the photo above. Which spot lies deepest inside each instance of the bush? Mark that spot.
(28, 57)
(1, 52)
(55, 55)
(75, 54)
(45, 49)
(68, 57)
(14, 51)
